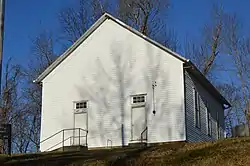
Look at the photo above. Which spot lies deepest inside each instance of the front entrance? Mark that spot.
(80, 121)
(138, 123)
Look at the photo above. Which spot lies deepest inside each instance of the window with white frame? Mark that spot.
(80, 105)
(209, 122)
(197, 109)
(138, 99)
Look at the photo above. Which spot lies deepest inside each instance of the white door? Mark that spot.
(80, 121)
(138, 122)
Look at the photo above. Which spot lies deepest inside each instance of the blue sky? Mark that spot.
(24, 19)
(189, 16)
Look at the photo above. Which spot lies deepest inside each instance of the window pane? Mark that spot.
(210, 127)
(134, 99)
(138, 99)
(197, 109)
(197, 118)
(195, 95)
(209, 121)
(77, 106)
(85, 105)
(143, 99)
(81, 105)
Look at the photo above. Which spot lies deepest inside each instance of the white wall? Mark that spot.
(106, 69)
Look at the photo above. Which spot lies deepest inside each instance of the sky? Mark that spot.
(25, 19)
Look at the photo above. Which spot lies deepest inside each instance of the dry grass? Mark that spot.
(230, 152)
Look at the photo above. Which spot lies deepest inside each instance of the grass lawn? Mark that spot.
(229, 152)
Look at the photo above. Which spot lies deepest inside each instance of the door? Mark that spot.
(138, 122)
(80, 125)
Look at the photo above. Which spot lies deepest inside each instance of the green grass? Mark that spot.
(229, 152)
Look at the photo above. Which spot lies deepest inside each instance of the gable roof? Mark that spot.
(89, 32)
(191, 68)
(103, 18)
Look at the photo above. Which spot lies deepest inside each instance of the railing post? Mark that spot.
(86, 137)
(79, 137)
(63, 142)
(109, 140)
(146, 132)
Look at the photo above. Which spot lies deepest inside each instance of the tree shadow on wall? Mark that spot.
(106, 89)
(112, 82)
(158, 69)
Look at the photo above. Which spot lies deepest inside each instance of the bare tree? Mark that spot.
(214, 39)
(43, 55)
(144, 15)
(9, 92)
(233, 115)
(148, 17)
(204, 54)
(17, 109)
(223, 35)
(11, 98)
(75, 20)
(237, 45)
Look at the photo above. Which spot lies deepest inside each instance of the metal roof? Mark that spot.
(191, 68)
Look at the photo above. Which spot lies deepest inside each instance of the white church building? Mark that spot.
(115, 86)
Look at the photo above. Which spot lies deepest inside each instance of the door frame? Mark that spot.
(81, 111)
(133, 105)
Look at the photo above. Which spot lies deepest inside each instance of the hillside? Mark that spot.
(225, 152)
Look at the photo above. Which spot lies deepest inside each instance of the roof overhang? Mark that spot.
(192, 69)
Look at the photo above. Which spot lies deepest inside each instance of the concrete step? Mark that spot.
(72, 148)
(137, 144)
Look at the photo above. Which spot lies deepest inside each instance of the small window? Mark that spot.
(139, 99)
(197, 109)
(209, 122)
(81, 105)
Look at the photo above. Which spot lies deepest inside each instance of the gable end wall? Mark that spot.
(106, 69)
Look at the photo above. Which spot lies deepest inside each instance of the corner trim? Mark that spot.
(185, 102)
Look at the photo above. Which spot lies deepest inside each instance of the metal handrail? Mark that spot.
(145, 130)
(109, 140)
(60, 132)
(63, 140)
(51, 136)
(58, 143)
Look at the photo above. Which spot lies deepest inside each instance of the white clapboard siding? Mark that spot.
(193, 133)
(109, 66)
